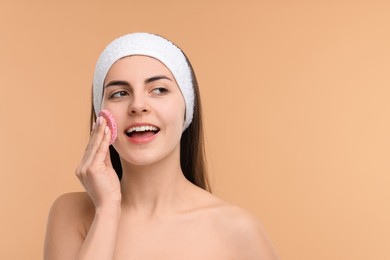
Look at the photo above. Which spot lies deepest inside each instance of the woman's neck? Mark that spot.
(153, 189)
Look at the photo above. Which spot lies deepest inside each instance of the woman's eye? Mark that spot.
(118, 94)
(159, 91)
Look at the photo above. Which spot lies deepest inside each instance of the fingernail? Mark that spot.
(93, 125)
(106, 130)
(99, 120)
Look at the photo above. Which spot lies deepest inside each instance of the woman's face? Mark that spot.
(146, 102)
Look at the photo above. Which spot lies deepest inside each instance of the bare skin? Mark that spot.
(153, 212)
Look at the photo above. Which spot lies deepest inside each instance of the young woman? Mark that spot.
(160, 207)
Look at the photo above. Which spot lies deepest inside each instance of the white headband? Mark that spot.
(149, 45)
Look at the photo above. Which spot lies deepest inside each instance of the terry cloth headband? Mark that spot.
(149, 45)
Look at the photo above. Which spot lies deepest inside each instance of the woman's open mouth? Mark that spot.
(142, 133)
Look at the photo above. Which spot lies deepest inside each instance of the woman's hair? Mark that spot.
(192, 146)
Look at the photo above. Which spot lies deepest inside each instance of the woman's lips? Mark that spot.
(142, 137)
(141, 133)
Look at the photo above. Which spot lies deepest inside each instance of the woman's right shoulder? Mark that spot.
(68, 223)
(73, 201)
(73, 207)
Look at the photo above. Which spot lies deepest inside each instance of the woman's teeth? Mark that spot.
(142, 129)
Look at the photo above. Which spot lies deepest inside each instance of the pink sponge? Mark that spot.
(110, 123)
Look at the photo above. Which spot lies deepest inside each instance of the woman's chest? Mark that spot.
(192, 240)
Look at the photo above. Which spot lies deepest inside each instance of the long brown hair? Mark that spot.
(192, 147)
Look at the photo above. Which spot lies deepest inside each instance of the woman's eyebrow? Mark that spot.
(117, 83)
(125, 83)
(156, 78)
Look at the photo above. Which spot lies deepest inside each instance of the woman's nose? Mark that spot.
(139, 105)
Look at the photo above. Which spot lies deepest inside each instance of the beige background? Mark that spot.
(296, 98)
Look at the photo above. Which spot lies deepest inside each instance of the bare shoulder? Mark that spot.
(69, 219)
(74, 198)
(73, 210)
(74, 204)
(240, 230)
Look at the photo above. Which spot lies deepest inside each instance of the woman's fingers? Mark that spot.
(95, 141)
(97, 135)
(103, 153)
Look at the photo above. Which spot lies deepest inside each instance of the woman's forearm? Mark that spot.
(101, 238)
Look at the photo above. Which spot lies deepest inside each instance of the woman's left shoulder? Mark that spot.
(234, 230)
(243, 232)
